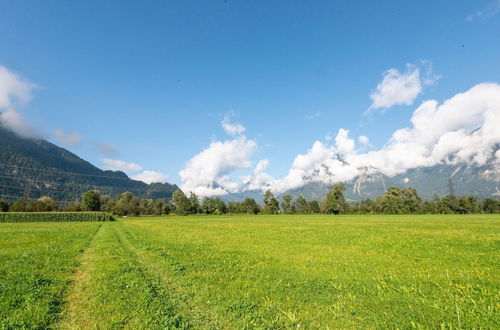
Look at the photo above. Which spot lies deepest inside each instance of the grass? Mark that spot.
(253, 272)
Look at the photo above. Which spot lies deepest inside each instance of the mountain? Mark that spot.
(464, 179)
(35, 168)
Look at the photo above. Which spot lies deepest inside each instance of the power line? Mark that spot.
(82, 185)
(70, 173)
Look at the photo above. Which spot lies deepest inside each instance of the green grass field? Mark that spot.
(253, 272)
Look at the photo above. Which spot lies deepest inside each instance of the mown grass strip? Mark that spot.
(36, 262)
(112, 290)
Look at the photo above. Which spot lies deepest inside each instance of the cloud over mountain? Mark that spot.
(120, 165)
(463, 128)
(14, 92)
(150, 177)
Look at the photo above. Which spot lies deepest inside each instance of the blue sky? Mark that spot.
(154, 79)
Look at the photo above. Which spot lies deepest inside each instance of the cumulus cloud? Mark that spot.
(120, 165)
(463, 128)
(231, 128)
(70, 139)
(150, 177)
(258, 179)
(14, 91)
(491, 10)
(401, 88)
(207, 172)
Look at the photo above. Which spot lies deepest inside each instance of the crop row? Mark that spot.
(54, 216)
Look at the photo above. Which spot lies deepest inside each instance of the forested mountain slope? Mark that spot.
(34, 168)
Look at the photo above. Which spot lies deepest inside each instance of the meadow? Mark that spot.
(317, 271)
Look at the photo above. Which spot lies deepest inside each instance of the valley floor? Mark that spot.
(253, 271)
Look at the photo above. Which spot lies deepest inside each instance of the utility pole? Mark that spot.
(450, 188)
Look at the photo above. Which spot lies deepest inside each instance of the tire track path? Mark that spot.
(112, 290)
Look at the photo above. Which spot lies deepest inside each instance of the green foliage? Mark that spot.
(181, 202)
(194, 204)
(397, 201)
(213, 206)
(247, 206)
(54, 216)
(4, 206)
(44, 204)
(301, 206)
(91, 200)
(334, 202)
(126, 204)
(313, 207)
(21, 205)
(287, 207)
(491, 206)
(271, 204)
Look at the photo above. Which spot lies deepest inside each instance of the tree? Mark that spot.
(314, 207)
(4, 206)
(194, 204)
(146, 206)
(334, 202)
(287, 206)
(301, 206)
(21, 205)
(45, 204)
(208, 205)
(126, 204)
(391, 202)
(181, 202)
(250, 206)
(412, 203)
(158, 207)
(271, 205)
(491, 206)
(91, 200)
(368, 206)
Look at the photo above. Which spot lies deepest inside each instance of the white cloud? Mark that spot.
(313, 116)
(150, 177)
(233, 129)
(491, 10)
(401, 88)
(207, 172)
(70, 139)
(363, 140)
(14, 91)
(258, 180)
(120, 165)
(463, 128)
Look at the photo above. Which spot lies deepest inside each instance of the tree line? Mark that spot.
(393, 201)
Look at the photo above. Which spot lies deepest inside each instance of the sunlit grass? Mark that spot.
(262, 272)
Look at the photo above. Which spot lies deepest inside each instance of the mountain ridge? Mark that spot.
(35, 167)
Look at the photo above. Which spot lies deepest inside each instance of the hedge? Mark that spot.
(54, 216)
